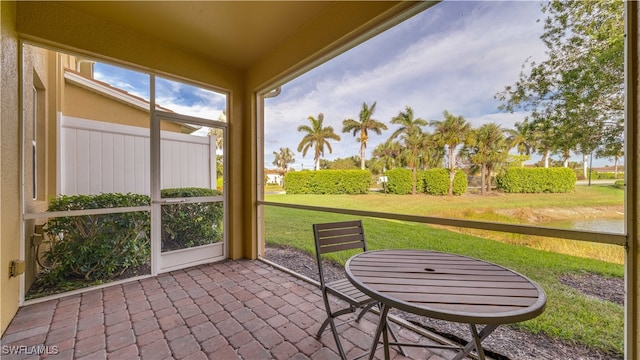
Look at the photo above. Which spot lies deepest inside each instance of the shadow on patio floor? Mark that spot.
(227, 310)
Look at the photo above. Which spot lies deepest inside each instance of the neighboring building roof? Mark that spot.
(115, 93)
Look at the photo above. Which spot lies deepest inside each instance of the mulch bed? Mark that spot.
(506, 342)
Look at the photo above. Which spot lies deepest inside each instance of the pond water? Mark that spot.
(615, 226)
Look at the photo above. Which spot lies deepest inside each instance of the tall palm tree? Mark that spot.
(362, 126)
(486, 148)
(317, 137)
(412, 137)
(407, 122)
(449, 133)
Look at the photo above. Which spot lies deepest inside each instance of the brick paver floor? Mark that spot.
(227, 310)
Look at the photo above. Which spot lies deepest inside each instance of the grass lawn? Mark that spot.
(596, 201)
(583, 196)
(570, 315)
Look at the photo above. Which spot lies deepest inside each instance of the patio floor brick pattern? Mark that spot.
(228, 310)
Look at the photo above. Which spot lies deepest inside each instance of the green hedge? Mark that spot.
(606, 175)
(96, 246)
(101, 247)
(399, 181)
(431, 181)
(191, 224)
(536, 180)
(328, 182)
(436, 182)
(619, 184)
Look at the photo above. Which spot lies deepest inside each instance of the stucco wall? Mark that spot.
(85, 104)
(9, 164)
(36, 75)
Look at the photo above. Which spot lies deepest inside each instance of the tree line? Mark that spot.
(575, 102)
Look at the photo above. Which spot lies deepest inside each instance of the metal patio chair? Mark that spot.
(334, 237)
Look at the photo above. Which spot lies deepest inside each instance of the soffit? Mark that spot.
(233, 33)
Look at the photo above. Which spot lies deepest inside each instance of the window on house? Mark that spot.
(34, 147)
(37, 123)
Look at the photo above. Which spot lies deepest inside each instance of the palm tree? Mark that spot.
(450, 132)
(522, 138)
(362, 126)
(317, 137)
(407, 122)
(219, 134)
(412, 137)
(416, 152)
(388, 153)
(486, 148)
(282, 160)
(544, 135)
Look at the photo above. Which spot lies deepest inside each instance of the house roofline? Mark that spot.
(108, 90)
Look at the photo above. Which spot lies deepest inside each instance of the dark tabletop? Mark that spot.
(446, 286)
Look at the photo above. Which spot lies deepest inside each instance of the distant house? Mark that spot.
(273, 177)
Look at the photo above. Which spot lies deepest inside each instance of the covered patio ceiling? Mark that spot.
(240, 34)
(233, 33)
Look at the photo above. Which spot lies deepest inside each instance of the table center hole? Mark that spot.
(429, 270)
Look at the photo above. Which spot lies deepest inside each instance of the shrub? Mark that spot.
(619, 184)
(102, 247)
(97, 246)
(606, 175)
(436, 182)
(460, 183)
(536, 180)
(328, 182)
(399, 181)
(191, 224)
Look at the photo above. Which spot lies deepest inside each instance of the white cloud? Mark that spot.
(455, 56)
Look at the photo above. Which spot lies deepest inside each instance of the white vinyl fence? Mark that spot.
(99, 157)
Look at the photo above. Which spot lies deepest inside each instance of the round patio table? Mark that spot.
(445, 286)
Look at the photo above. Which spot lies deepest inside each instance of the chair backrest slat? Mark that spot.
(341, 224)
(341, 247)
(339, 236)
(352, 238)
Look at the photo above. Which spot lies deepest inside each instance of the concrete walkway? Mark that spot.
(228, 310)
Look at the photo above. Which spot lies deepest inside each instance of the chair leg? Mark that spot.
(336, 337)
(323, 327)
(334, 316)
(364, 311)
(331, 322)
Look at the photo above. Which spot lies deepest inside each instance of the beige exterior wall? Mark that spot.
(9, 163)
(38, 84)
(85, 104)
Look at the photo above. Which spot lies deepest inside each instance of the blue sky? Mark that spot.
(176, 96)
(455, 56)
